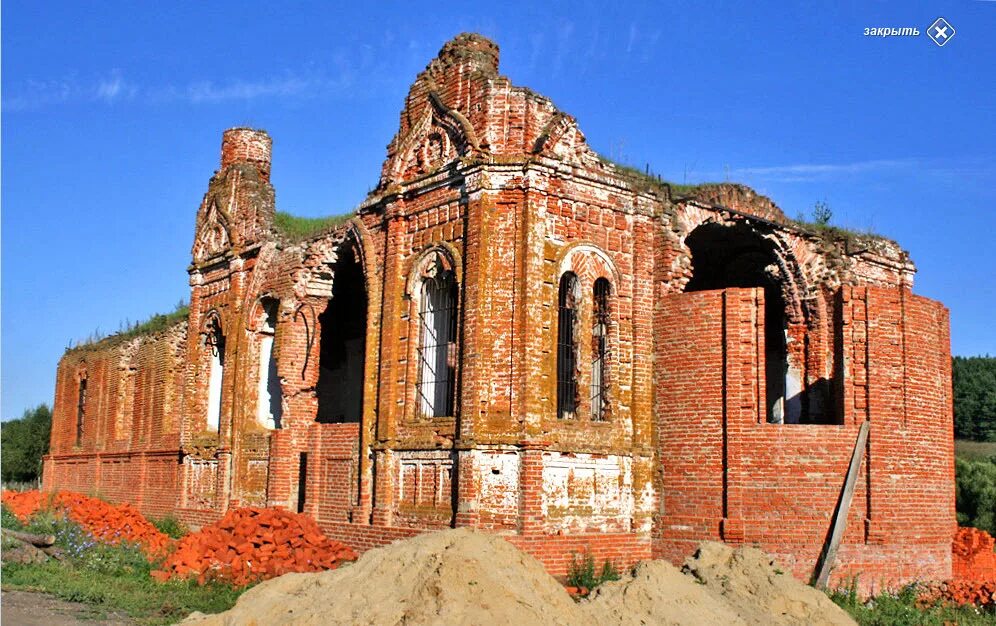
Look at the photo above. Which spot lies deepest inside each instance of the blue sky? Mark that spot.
(112, 116)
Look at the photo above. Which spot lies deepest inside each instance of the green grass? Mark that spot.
(900, 609)
(974, 450)
(302, 228)
(134, 593)
(170, 526)
(111, 579)
(130, 330)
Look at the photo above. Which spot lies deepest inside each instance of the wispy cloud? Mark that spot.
(115, 87)
(805, 172)
(564, 33)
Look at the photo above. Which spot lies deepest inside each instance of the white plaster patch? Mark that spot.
(587, 493)
(498, 473)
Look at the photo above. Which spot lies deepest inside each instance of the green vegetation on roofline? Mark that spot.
(130, 330)
(646, 180)
(297, 228)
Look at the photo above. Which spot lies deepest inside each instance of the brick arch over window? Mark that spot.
(434, 290)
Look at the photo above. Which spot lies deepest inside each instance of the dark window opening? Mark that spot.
(302, 481)
(343, 343)
(567, 346)
(737, 256)
(600, 350)
(80, 411)
(437, 344)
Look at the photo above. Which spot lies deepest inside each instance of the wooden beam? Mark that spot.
(829, 553)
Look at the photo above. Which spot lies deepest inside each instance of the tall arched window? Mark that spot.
(437, 342)
(600, 350)
(216, 346)
(269, 408)
(80, 409)
(567, 346)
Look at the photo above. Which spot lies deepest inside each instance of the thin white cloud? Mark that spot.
(806, 172)
(115, 87)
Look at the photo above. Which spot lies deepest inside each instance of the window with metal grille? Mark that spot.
(437, 344)
(567, 347)
(600, 351)
(80, 411)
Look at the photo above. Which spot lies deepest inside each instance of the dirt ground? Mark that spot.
(24, 608)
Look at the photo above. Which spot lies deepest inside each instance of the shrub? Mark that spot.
(976, 493)
(581, 572)
(170, 526)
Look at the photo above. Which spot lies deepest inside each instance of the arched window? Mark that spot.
(567, 346)
(80, 409)
(269, 408)
(216, 345)
(600, 350)
(437, 342)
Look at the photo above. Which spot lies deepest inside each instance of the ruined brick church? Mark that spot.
(514, 334)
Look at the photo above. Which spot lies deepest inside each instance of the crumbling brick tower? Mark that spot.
(514, 334)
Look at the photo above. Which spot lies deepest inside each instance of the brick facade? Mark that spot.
(406, 369)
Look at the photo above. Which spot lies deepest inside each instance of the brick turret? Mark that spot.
(247, 145)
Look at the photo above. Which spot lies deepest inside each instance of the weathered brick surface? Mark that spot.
(489, 183)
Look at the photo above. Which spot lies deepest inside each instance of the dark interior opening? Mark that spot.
(302, 481)
(736, 256)
(343, 343)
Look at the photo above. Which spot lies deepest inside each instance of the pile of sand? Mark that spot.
(719, 585)
(465, 577)
(658, 593)
(450, 577)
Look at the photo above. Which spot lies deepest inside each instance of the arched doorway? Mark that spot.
(735, 255)
(343, 342)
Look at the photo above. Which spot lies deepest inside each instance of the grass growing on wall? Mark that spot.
(301, 228)
(129, 330)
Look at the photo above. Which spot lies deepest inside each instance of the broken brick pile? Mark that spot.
(979, 593)
(22, 504)
(973, 569)
(253, 544)
(114, 523)
(973, 558)
(108, 523)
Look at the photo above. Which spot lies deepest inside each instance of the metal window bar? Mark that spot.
(567, 360)
(80, 411)
(599, 348)
(437, 346)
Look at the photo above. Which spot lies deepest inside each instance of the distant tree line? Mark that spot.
(974, 381)
(23, 442)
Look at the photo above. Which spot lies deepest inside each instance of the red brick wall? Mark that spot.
(728, 474)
